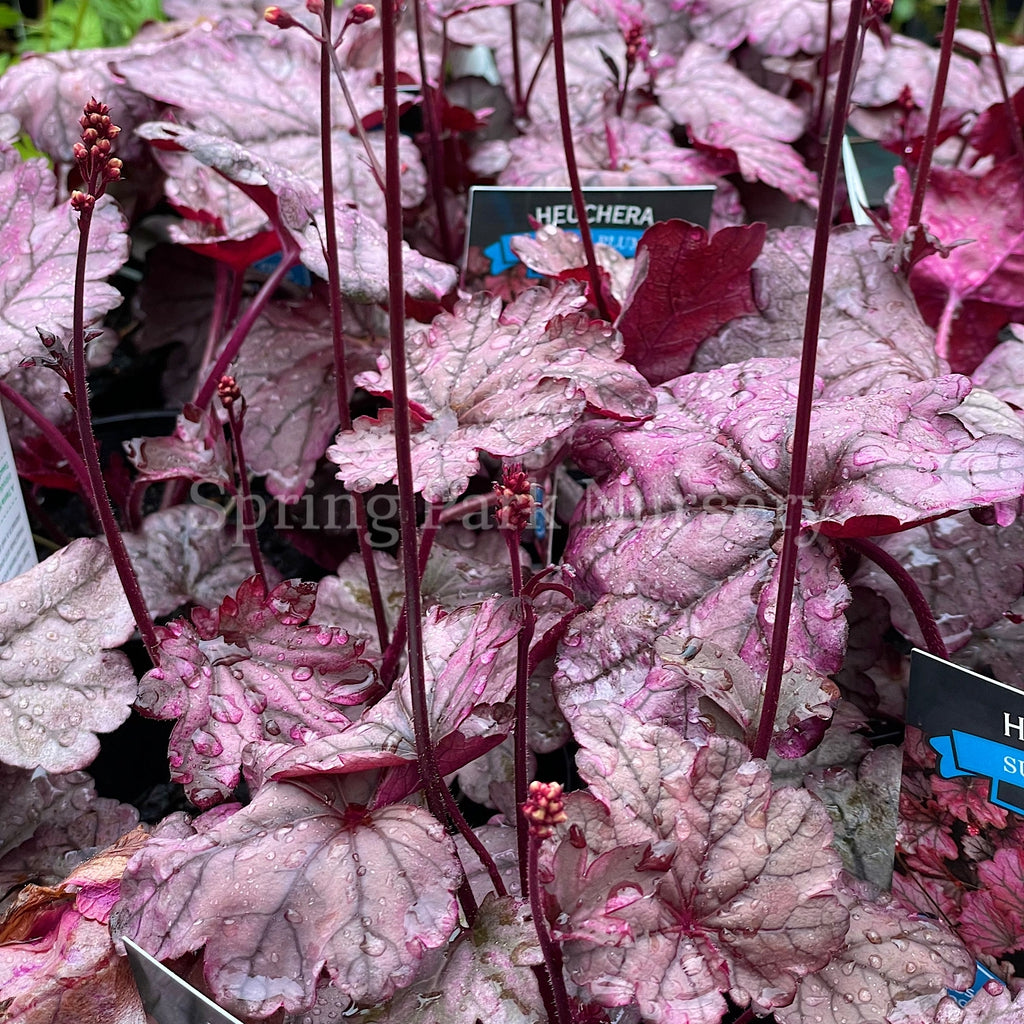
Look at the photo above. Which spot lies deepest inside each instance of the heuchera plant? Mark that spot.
(529, 650)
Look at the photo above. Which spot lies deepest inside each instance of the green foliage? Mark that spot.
(923, 18)
(73, 25)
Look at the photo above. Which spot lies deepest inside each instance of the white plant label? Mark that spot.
(17, 552)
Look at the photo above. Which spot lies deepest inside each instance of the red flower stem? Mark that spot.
(248, 522)
(809, 352)
(909, 588)
(343, 387)
(578, 203)
(561, 1012)
(1011, 110)
(521, 751)
(435, 153)
(931, 132)
(819, 114)
(97, 490)
(534, 78)
(57, 440)
(289, 257)
(433, 783)
(477, 846)
(518, 106)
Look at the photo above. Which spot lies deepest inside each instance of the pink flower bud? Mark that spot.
(315, 7)
(361, 13)
(82, 201)
(280, 19)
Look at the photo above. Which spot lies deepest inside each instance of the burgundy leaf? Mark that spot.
(485, 975)
(687, 877)
(184, 555)
(871, 335)
(290, 885)
(890, 954)
(253, 669)
(976, 289)
(796, 28)
(61, 681)
(685, 286)
(197, 450)
(49, 823)
(503, 382)
(41, 240)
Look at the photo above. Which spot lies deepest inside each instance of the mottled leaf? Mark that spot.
(297, 882)
(992, 919)
(197, 451)
(798, 27)
(687, 877)
(61, 681)
(503, 382)
(255, 668)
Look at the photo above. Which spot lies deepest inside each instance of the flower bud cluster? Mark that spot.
(516, 504)
(228, 391)
(92, 154)
(544, 808)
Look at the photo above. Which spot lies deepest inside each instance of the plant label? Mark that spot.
(974, 724)
(168, 999)
(617, 216)
(17, 552)
(982, 977)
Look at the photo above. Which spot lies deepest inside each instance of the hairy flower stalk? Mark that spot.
(343, 386)
(808, 359)
(997, 62)
(98, 170)
(544, 808)
(231, 396)
(558, 42)
(514, 510)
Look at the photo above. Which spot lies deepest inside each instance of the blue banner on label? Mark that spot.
(962, 753)
(982, 976)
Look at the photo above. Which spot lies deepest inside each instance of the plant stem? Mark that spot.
(909, 588)
(435, 153)
(931, 133)
(1011, 110)
(57, 440)
(552, 954)
(289, 257)
(248, 522)
(97, 491)
(578, 203)
(433, 783)
(808, 358)
(341, 378)
(518, 106)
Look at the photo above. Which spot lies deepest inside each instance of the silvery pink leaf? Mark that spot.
(56, 954)
(47, 91)
(1002, 1007)
(51, 823)
(464, 567)
(362, 894)
(687, 877)
(685, 286)
(253, 669)
(42, 242)
(615, 153)
(722, 108)
(197, 450)
(978, 284)
(798, 27)
(469, 660)
(493, 380)
(1002, 372)
(61, 681)
(551, 251)
(185, 555)
(871, 334)
(969, 574)
(890, 954)
(485, 975)
(232, 81)
(362, 258)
